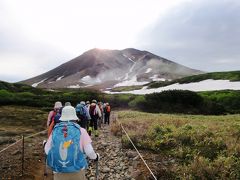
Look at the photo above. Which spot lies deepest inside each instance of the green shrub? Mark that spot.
(137, 102)
(6, 97)
(211, 147)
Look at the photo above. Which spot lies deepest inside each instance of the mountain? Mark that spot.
(101, 69)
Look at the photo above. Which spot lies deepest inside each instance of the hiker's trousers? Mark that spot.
(106, 119)
(94, 122)
(70, 176)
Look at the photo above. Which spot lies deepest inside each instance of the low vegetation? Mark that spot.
(171, 101)
(126, 88)
(20, 120)
(202, 147)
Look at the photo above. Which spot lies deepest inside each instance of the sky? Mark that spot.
(39, 35)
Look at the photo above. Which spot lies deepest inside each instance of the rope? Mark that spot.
(21, 140)
(10, 145)
(35, 134)
(137, 150)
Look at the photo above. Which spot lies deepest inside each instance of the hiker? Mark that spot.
(103, 114)
(66, 146)
(95, 113)
(107, 111)
(53, 116)
(87, 104)
(100, 119)
(83, 115)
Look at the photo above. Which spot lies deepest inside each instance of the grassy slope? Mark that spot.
(18, 120)
(203, 146)
(18, 87)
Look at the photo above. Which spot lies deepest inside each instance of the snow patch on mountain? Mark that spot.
(148, 70)
(131, 82)
(130, 70)
(78, 86)
(59, 78)
(36, 84)
(89, 80)
(205, 85)
(155, 78)
(128, 58)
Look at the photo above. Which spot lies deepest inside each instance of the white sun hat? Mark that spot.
(57, 105)
(68, 113)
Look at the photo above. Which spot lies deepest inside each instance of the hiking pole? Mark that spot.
(97, 170)
(45, 159)
(45, 168)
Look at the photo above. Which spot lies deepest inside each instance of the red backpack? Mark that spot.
(108, 109)
(92, 110)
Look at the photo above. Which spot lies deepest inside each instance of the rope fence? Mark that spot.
(16, 159)
(22, 139)
(145, 163)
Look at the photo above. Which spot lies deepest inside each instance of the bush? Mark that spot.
(6, 97)
(137, 102)
(173, 101)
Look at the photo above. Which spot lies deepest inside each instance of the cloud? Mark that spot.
(199, 34)
(22, 58)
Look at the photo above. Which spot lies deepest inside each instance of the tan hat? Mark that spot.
(57, 105)
(68, 113)
(67, 104)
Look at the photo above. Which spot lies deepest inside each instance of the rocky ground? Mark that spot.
(113, 164)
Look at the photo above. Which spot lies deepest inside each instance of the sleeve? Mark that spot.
(48, 145)
(98, 111)
(87, 113)
(49, 118)
(85, 144)
(88, 149)
(84, 139)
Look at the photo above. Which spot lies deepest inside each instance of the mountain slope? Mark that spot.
(107, 68)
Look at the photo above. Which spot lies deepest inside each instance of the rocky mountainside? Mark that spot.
(102, 69)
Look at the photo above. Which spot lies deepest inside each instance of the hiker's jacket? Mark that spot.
(50, 115)
(97, 110)
(87, 112)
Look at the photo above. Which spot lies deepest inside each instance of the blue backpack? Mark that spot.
(80, 111)
(65, 155)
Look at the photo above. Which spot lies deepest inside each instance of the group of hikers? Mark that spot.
(69, 141)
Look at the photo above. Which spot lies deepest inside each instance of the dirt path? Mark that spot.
(113, 164)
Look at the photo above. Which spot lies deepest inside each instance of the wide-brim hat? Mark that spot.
(57, 105)
(68, 113)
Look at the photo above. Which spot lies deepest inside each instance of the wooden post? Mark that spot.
(22, 155)
(121, 135)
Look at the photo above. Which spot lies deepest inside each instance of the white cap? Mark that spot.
(57, 105)
(68, 113)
